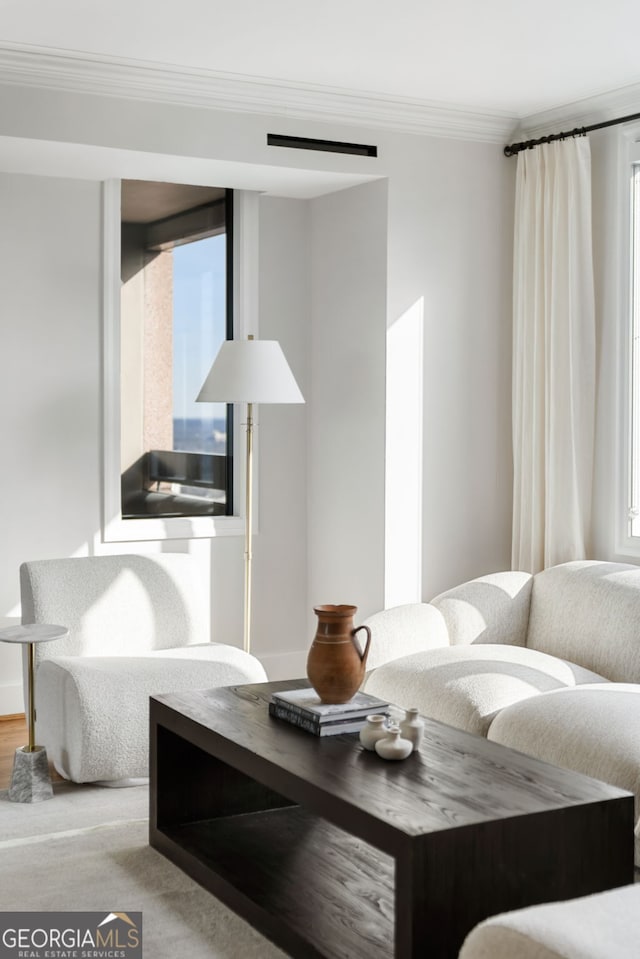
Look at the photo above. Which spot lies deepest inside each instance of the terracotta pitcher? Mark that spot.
(336, 663)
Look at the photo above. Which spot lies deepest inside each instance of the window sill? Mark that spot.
(120, 530)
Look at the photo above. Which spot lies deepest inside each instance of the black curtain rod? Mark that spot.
(514, 148)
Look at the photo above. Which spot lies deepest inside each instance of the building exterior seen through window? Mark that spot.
(176, 454)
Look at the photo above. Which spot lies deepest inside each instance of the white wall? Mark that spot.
(280, 635)
(346, 412)
(51, 372)
(447, 209)
(450, 249)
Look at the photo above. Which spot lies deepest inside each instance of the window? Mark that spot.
(633, 499)
(175, 311)
(628, 372)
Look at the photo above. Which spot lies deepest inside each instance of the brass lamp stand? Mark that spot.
(248, 530)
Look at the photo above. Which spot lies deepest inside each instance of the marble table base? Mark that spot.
(30, 779)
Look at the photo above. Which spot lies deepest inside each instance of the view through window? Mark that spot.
(176, 454)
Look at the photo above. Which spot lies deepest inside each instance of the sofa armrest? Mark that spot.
(491, 609)
(403, 630)
(599, 926)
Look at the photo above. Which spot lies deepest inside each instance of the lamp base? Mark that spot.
(30, 779)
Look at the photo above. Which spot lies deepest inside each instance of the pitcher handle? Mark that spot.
(363, 655)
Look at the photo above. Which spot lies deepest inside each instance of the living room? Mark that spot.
(342, 253)
(341, 263)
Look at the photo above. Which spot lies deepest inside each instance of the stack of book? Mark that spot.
(303, 708)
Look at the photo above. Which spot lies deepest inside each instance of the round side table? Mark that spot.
(30, 779)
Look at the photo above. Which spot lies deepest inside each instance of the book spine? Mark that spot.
(355, 714)
(317, 729)
(297, 710)
(294, 716)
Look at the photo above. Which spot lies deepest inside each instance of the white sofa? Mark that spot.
(137, 627)
(546, 664)
(603, 926)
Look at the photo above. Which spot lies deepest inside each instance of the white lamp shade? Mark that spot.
(250, 371)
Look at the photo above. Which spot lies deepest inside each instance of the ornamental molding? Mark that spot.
(596, 109)
(78, 72)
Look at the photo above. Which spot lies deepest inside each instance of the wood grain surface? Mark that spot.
(332, 852)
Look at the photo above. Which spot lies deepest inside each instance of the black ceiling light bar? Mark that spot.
(324, 146)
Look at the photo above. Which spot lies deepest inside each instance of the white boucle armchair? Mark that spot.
(137, 627)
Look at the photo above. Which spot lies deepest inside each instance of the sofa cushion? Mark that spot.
(402, 630)
(603, 926)
(464, 686)
(490, 609)
(589, 613)
(593, 729)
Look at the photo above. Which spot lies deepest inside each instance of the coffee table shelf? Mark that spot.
(267, 859)
(334, 854)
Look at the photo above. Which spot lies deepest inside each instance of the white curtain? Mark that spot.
(553, 356)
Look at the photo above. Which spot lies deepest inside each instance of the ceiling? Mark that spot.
(502, 57)
(142, 201)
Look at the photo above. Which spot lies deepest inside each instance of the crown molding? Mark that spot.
(78, 72)
(581, 113)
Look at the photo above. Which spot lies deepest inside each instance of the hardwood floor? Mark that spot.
(13, 733)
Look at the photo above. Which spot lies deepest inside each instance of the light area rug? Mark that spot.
(87, 849)
(73, 806)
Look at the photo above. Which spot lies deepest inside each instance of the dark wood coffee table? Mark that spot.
(330, 851)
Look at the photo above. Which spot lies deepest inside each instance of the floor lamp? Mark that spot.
(249, 371)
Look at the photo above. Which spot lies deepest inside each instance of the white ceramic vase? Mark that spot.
(393, 746)
(375, 729)
(412, 727)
